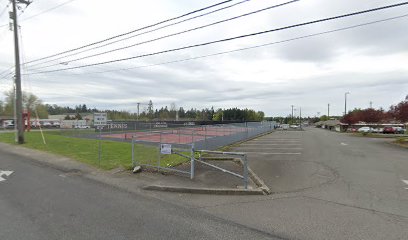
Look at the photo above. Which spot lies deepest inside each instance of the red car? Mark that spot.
(389, 130)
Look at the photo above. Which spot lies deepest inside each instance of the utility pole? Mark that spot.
(300, 117)
(328, 111)
(345, 103)
(18, 93)
(138, 104)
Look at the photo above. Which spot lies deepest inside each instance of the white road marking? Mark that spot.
(344, 144)
(406, 182)
(265, 153)
(272, 144)
(273, 139)
(276, 140)
(261, 148)
(4, 173)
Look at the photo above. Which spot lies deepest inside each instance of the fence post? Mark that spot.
(246, 129)
(245, 171)
(133, 152)
(159, 153)
(192, 165)
(205, 137)
(100, 146)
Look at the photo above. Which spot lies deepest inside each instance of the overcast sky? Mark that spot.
(370, 62)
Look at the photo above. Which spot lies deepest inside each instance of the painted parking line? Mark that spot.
(276, 139)
(284, 139)
(406, 182)
(271, 144)
(266, 142)
(6, 174)
(263, 148)
(265, 153)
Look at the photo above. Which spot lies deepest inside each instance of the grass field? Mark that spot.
(114, 154)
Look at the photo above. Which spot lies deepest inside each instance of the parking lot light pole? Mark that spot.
(345, 103)
(292, 114)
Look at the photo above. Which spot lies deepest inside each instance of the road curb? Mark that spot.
(214, 191)
(259, 182)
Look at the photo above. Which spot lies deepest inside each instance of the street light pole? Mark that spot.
(138, 104)
(345, 103)
(292, 114)
(328, 111)
(300, 118)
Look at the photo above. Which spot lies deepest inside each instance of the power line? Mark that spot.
(228, 39)
(139, 34)
(130, 32)
(4, 10)
(251, 47)
(47, 10)
(171, 35)
(43, 12)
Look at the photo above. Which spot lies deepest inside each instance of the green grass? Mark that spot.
(114, 154)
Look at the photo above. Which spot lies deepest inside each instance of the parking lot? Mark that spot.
(326, 185)
(278, 159)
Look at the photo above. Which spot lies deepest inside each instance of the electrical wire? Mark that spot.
(228, 39)
(47, 10)
(139, 34)
(171, 35)
(4, 10)
(6, 73)
(130, 32)
(30, 91)
(251, 47)
(41, 13)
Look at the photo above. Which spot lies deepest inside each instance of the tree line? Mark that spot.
(396, 113)
(35, 106)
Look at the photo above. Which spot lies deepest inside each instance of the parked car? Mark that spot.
(82, 126)
(377, 130)
(365, 129)
(46, 125)
(399, 130)
(285, 126)
(389, 130)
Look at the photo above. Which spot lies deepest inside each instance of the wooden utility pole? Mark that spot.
(18, 93)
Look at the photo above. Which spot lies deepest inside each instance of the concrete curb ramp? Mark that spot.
(216, 191)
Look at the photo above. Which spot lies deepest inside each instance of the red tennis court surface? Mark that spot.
(181, 136)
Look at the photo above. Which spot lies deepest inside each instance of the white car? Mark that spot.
(365, 129)
(378, 130)
(82, 126)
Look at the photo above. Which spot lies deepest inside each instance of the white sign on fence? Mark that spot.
(100, 119)
(165, 148)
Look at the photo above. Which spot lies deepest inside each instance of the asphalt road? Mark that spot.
(39, 202)
(326, 185)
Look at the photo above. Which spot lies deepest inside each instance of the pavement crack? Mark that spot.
(245, 202)
(396, 217)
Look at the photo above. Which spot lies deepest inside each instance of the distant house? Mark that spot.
(333, 125)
